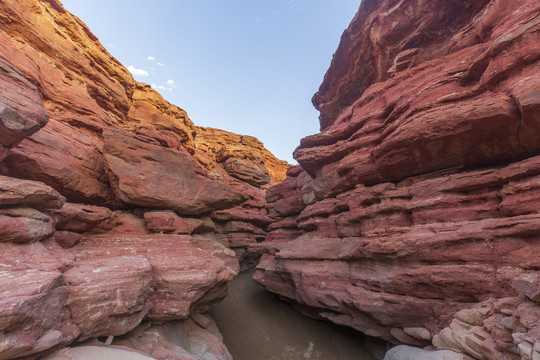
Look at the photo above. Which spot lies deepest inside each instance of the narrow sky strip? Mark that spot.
(250, 67)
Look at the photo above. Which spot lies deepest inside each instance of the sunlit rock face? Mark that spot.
(113, 210)
(414, 216)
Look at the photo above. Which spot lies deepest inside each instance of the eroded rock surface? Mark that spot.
(148, 175)
(216, 147)
(106, 209)
(417, 200)
(190, 339)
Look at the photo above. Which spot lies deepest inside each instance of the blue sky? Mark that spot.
(246, 66)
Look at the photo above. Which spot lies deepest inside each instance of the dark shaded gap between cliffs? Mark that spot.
(256, 325)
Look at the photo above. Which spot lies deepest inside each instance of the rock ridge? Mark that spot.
(413, 215)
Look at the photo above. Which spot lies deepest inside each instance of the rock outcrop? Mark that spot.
(413, 216)
(108, 216)
(195, 338)
(218, 150)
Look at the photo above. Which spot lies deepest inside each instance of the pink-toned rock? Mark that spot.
(4, 152)
(240, 214)
(28, 193)
(21, 107)
(285, 199)
(67, 239)
(369, 48)
(493, 329)
(147, 175)
(114, 149)
(236, 239)
(418, 199)
(83, 218)
(24, 225)
(105, 285)
(179, 340)
(218, 250)
(129, 223)
(169, 222)
(256, 175)
(159, 120)
(33, 312)
(382, 238)
(239, 228)
(528, 284)
(435, 114)
(67, 158)
(108, 296)
(95, 352)
(185, 279)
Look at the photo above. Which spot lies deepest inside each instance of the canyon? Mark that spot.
(413, 216)
(119, 218)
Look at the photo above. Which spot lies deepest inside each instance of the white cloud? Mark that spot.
(159, 87)
(256, 20)
(160, 64)
(137, 72)
(293, 5)
(150, 58)
(170, 86)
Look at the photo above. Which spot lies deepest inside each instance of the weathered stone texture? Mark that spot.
(417, 202)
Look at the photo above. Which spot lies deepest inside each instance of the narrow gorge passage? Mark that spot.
(257, 325)
(413, 214)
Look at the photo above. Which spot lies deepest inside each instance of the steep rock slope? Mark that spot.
(107, 217)
(414, 216)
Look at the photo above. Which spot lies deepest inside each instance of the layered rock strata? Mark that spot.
(108, 215)
(413, 216)
(243, 157)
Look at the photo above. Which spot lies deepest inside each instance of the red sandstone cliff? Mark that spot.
(415, 214)
(114, 207)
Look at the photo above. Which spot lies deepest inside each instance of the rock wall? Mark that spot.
(414, 214)
(114, 207)
(242, 157)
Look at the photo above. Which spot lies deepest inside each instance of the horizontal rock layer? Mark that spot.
(417, 201)
(112, 207)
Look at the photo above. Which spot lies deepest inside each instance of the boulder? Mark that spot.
(94, 352)
(147, 175)
(33, 312)
(83, 218)
(169, 222)
(67, 158)
(404, 352)
(24, 225)
(21, 107)
(108, 296)
(256, 175)
(195, 338)
(184, 278)
(28, 193)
